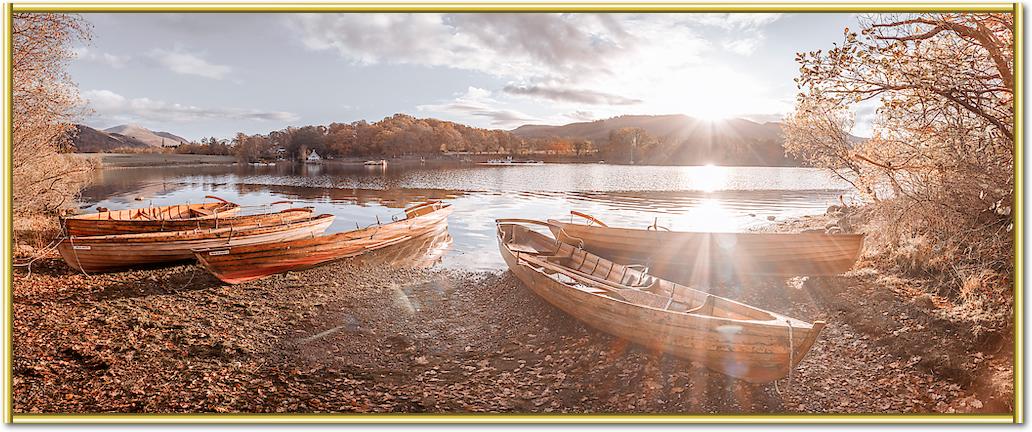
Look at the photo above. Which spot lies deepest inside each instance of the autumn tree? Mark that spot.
(943, 134)
(46, 105)
(630, 144)
(582, 146)
(252, 148)
(817, 133)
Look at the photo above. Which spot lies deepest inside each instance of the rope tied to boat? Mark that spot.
(791, 355)
(563, 233)
(75, 253)
(44, 252)
(791, 360)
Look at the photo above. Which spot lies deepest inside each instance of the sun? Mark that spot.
(714, 115)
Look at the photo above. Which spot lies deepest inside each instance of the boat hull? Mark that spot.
(757, 351)
(84, 228)
(111, 253)
(121, 221)
(235, 265)
(709, 257)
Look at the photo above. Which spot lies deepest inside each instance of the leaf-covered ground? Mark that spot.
(369, 337)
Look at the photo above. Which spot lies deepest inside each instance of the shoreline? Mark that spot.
(158, 160)
(367, 335)
(151, 160)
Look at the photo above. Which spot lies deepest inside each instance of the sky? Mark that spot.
(199, 75)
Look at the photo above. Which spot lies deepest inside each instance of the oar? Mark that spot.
(217, 198)
(588, 217)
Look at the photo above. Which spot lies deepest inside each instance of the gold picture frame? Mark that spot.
(87, 7)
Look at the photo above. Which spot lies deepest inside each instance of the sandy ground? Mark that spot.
(130, 160)
(373, 336)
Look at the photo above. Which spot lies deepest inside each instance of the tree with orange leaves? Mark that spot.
(943, 133)
(46, 105)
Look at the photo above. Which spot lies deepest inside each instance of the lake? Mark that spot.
(705, 198)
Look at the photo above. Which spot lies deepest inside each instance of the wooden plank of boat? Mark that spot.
(236, 264)
(84, 224)
(729, 337)
(122, 226)
(671, 253)
(116, 252)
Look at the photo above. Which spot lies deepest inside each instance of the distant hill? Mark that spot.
(147, 136)
(684, 139)
(90, 140)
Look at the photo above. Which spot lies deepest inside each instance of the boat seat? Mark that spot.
(558, 259)
(651, 283)
(522, 248)
(141, 214)
(701, 308)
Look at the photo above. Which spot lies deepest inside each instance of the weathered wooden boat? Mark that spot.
(729, 337)
(714, 255)
(237, 264)
(423, 251)
(123, 226)
(116, 252)
(96, 223)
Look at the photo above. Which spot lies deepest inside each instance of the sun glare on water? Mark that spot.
(707, 178)
(709, 215)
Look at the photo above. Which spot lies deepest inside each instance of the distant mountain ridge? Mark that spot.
(684, 139)
(147, 136)
(671, 125)
(89, 140)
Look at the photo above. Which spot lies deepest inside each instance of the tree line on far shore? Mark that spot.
(403, 135)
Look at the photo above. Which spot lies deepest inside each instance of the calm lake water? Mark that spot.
(682, 198)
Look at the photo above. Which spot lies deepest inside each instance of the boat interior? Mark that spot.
(579, 269)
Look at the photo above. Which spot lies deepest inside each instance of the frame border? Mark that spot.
(1014, 8)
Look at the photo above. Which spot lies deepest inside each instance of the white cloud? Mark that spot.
(605, 64)
(589, 97)
(744, 46)
(581, 116)
(477, 102)
(498, 44)
(115, 61)
(734, 21)
(186, 63)
(114, 107)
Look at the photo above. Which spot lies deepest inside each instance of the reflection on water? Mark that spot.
(679, 198)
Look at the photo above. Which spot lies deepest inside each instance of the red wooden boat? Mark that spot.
(116, 252)
(241, 264)
(129, 221)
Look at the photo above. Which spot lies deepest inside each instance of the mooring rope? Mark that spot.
(41, 253)
(791, 355)
(192, 273)
(76, 254)
(791, 360)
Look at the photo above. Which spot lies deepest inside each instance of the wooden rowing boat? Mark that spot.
(705, 257)
(122, 221)
(732, 338)
(122, 226)
(235, 264)
(116, 252)
(419, 252)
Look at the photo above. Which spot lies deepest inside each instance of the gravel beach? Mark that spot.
(371, 335)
